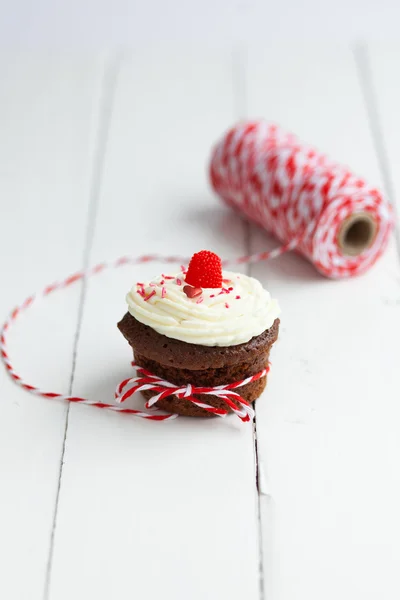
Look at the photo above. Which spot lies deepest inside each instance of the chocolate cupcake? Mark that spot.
(202, 327)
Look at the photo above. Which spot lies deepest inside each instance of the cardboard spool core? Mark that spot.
(357, 233)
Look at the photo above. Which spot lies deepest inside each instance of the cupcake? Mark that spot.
(205, 327)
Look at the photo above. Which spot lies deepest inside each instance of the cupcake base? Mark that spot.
(207, 378)
(182, 363)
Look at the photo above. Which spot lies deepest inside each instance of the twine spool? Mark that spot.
(320, 208)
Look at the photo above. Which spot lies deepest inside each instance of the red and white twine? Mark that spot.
(292, 191)
(297, 194)
(145, 380)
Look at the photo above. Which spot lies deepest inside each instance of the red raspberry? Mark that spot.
(205, 270)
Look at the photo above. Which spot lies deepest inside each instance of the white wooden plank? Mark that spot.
(152, 510)
(328, 422)
(47, 117)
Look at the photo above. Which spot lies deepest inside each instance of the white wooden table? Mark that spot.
(104, 156)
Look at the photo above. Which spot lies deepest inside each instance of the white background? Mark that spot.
(105, 23)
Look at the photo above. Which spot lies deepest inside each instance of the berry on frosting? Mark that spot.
(205, 270)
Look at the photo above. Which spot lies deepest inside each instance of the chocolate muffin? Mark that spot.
(204, 327)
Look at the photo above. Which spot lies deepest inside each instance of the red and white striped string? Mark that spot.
(148, 381)
(144, 380)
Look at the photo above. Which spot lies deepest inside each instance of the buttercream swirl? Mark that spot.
(225, 316)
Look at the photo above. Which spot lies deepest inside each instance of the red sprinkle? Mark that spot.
(226, 281)
(237, 298)
(192, 292)
(163, 292)
(152, 285)
(162, 282)
(153, 293)
(178, 281)
(230, 289)
(183, 269)
(212, 295)
(199, 301)
(226, 305)
(167, 276)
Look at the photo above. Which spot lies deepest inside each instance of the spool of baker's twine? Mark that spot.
(314, 205)
(311, 204)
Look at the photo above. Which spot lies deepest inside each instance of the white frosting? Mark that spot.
(232, 315)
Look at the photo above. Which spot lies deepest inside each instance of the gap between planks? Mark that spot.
(106, 105)
(370, 96)
(239, 79)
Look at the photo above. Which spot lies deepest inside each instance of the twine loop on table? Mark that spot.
(144, 380)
